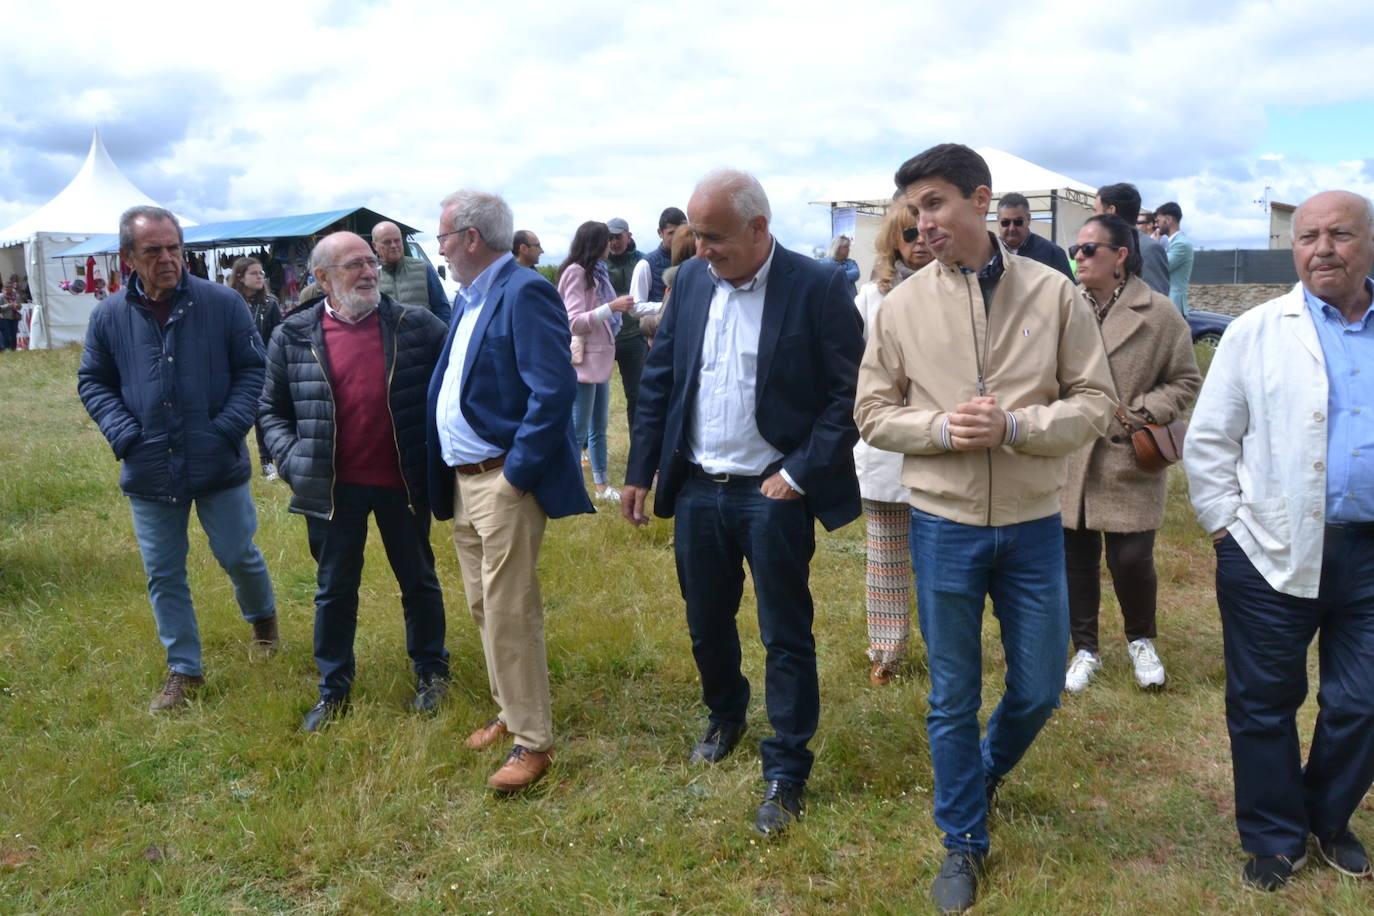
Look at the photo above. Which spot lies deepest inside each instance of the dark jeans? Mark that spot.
(1266, 635)
(337, 546)
(717, 528)
(630, 349)
(9, 334)
(1131, 561)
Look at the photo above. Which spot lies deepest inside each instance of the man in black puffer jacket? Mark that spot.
(343, 413)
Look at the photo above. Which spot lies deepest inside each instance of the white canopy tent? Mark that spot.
(89, 205)
(1059, 205)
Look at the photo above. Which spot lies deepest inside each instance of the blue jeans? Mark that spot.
(716, 528)
(1265, 635)
(337, 545)
(957, 567)
(230, 521)
(591, 414)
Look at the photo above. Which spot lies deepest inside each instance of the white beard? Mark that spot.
(354, 304)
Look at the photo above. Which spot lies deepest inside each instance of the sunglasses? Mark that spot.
(911, 234)
(1090, 248)
(1018, 222)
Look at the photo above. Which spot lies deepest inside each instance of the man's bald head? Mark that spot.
(1333, 249)
(386, 239)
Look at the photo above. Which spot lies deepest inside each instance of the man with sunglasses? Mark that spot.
(343, 415)
(1014, 221)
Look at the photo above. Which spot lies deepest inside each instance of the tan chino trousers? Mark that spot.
(497, 534)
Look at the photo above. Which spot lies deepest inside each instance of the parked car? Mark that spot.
(1207, 327)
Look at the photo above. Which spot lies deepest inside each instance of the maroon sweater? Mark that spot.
(364, 439)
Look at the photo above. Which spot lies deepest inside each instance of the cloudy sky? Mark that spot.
(588, 111)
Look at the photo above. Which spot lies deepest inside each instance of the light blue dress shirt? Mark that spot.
(1348, 349)
(458, 441)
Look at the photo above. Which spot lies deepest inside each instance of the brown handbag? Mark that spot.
(1158, 446)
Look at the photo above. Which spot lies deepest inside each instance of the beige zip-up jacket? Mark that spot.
(1037, 350)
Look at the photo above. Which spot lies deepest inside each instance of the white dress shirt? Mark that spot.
(724, 436)
(458, 441)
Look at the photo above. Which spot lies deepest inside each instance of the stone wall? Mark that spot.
(1233, 298)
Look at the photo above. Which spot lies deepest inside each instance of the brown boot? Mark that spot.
(488, 735)
(265, 636)
(176, 693)
(522, 769)
(880, 675)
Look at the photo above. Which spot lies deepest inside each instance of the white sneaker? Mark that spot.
(269, 471)
(610, 495)
(1149, 670)
(1081, 670)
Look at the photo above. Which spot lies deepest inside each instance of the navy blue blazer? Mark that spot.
(517, 391)
(809, 350)
(1039, 248)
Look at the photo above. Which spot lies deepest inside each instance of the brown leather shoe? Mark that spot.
(265, 636)
(176, 692)
(880, 674)
(488, 735)
(522, 769)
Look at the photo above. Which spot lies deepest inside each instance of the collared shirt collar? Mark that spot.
(994, 267)
(477, 292)
(136, 285)
(1321, 308)
(759, 279)
(340, 316)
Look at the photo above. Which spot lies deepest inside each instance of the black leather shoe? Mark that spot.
(956, 886)
(720, 739)
(430, 691)
(782, 804)
(1345, 853)
(322, 713)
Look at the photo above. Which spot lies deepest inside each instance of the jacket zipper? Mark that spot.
(980, 358)
(333, 428)
(390, 377)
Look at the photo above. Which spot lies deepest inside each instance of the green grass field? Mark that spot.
(1123, 805)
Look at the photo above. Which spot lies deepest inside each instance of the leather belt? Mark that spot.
(481, 467)
(701, 473)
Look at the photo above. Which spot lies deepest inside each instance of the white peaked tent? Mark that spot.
(91, 204)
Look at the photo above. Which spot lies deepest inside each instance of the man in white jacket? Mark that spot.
(1280, 462)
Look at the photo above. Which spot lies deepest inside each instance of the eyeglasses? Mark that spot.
(1144, 222)
(256, 273)
(1090, 248)
(911, 234)
(1018, 222)
(358, 264)
(443, 235)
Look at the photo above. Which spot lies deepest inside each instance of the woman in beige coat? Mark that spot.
(1107, 495)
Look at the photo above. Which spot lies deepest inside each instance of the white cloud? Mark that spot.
(577, 113)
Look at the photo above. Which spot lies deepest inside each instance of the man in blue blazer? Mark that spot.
(502, 463)
(746, 414)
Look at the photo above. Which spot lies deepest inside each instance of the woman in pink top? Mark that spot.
(594, 316)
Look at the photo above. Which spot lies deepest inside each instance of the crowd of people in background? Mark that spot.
(981, 401)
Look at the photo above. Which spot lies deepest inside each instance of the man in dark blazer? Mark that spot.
(502, 462)
(1013, 223)
(746, 413)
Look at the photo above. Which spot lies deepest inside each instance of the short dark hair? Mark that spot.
(144, 212)
(1014, 200)
(1124, 197)
(1171, 209)
(521, 237)
(952, 162)
(1123, 235)
(671, 216)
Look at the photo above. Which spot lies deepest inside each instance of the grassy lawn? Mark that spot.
(1123, 804)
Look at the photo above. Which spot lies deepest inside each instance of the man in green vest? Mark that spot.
(410, 281)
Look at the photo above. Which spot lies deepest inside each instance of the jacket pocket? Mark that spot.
(1267, 521)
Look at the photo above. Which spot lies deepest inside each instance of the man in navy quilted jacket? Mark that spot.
(172, 370)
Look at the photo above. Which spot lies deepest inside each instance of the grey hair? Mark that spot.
(143, 212)
(835, 244)
(487, 213)
(744, 190)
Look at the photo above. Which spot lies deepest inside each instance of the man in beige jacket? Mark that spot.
(986, 371)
